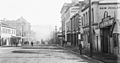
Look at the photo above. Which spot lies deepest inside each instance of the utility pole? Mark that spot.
(55, 34)
(90, 29)
(71, 33)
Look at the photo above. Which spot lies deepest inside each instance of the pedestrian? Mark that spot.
(32, 43)
(80, 48)
(63, 43)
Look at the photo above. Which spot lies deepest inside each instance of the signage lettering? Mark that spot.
(110, 7)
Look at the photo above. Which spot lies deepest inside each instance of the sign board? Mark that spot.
(79, 36)
(106, 12)
(106, 23)
(74, 10)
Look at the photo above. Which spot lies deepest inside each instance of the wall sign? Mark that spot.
(107, 20)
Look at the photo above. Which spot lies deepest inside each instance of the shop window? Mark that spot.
(84, 19)
(87, 18)
(115, 39)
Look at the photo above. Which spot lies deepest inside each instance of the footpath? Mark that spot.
(104, 58)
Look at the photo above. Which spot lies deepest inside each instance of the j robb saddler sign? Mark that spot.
(107, 14)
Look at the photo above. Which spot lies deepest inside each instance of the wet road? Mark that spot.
(39, 54)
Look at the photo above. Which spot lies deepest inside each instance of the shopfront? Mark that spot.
(109, 32)
(85, 38)
(109, 27)
(106, 28)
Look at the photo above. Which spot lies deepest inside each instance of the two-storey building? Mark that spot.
(7, 33)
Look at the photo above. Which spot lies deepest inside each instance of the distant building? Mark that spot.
(26, 28)
(23, 28)
(67, 12)
(6, 34)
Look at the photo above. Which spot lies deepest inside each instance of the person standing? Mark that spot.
(32, 43)
(63, 43)
(80, 48)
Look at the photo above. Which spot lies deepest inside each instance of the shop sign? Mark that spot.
(73, 10)
(79, 36)
(106, 23)
(108, 13)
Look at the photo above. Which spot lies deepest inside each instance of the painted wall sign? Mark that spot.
(107, 14)
(107, 20)
(118, 7)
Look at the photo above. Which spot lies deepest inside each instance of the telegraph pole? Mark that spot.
(55, 34)
(90, 29)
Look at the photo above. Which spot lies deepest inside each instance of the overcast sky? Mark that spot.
(43, 13)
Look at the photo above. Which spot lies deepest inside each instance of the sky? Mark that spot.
(42, 14)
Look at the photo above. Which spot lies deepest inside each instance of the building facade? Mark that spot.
(7, 33)
(23, 29)
(70, 10)
(105, 26)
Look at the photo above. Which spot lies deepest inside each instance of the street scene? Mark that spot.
(59, 31)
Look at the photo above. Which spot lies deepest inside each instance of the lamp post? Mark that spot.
(90, 29)
(71, 33)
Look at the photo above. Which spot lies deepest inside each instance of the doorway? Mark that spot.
(105, 39)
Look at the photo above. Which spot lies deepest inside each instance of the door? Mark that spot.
(105, 40)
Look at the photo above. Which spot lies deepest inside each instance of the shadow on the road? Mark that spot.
(29, 52)
(39, 47)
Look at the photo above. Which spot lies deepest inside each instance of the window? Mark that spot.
(88, 18)
(115, 39)
(92, 16)
(3, 30)
(84, 19)
(11, 31)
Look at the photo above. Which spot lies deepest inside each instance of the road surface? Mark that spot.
(40, 54)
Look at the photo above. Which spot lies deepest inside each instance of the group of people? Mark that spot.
(27, 42)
